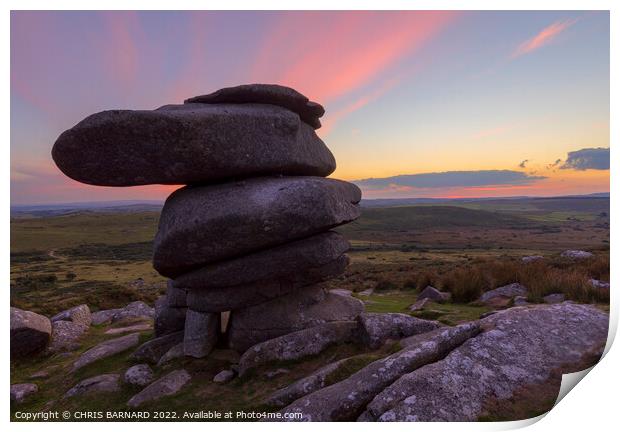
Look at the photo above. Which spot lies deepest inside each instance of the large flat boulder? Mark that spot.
(273, 94)
(378, 328)
(189, 144)
(346, 399)
(30, 332)
(305, 308)
(151, 351)
(106, 349)
(278, 262)
(520, 346)
(167, 385)
(200, 225)
(299, 344)
(107, 383)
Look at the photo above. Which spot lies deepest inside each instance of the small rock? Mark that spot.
(78, 314)
(153, 350)
(133, 328)
(65, 335)
(201, 333)
(42, 374)
(419, 305)
(168, 385)
(532, 258)
(599, 284)
(520, 301)
(139, 375)
(175, 352)
(30, 332)
(224, 376)
(133, 310)
(99, 384)
(434, 294)
(504, 294)
(275, 373)
(107, 349)
(377, 328)
(554, 298)
(103, 316)
(577, 254)
(19, 392)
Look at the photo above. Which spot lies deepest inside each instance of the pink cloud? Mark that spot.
(543, 38)
(120, 47)
(348, 51)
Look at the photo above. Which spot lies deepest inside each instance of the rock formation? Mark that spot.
(247, 241)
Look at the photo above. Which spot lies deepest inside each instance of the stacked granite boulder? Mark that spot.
(247, 243)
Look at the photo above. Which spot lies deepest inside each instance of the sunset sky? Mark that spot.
(419, 104)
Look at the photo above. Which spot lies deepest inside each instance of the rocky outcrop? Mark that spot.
(139, 375)
(20, 392)
(30, 333)
(168, 385)
(152, 350)
(106, 349)
(106, 383)
(299, 344)
(133, 311)
(301, 309)
(78, 315)
(519, 346)
(190, 144)
(199, 225)
(577, 254)
(345, 400)
(377, 328)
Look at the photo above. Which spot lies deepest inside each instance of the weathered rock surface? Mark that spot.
(189, 144)
(378, 328)
(299, 344)
(19, 392)
(176, 297)
(273, 94)
(66, 335)
(599, 284)
(520, 301)
(554, 298)
(201, 333)
(224, 376)
(506, 292)
(78, 314)
(346, 399)
(433, 294)
(577, 254)
(520, 346)
(106, 383)
(304, 386)
(168, 319)
(133, 328)
(30, 332)
(199, 225)
(243, 296)
(151, 351)
(134, 310)
(168, 385)
(270, 264)
(103, 316)
(301, 309)
(175, 352)
(139, 375)
(106, 349)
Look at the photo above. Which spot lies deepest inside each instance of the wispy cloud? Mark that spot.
(588, 158)
(523, 163)
(544, 37)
